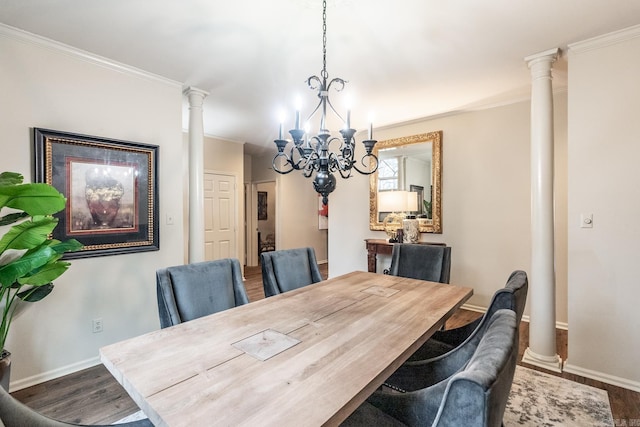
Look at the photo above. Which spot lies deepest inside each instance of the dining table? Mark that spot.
(307, 357)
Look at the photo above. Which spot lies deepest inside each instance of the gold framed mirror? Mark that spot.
(412, 164)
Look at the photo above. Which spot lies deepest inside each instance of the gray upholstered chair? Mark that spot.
(187, 292)
(475, 395)
(288, 269)
(513, 296)
(13, 413)
(425, 262)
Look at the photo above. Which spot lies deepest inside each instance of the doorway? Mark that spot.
(262, 224)
(220, 216)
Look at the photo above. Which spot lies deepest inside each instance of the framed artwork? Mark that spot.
(111, 190)
(420, 190)
(262, 205)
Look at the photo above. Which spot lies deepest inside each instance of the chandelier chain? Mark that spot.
(324, 73)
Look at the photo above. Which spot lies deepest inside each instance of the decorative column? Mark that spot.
(542, 290)
(196, 174)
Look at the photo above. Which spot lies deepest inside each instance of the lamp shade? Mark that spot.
(412, 201)
(393, 201)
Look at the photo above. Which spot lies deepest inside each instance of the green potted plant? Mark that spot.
(427, 208)
(29, 258)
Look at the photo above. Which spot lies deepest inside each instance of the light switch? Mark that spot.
(586, 220)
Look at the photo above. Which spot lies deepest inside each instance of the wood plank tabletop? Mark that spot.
(305, 357)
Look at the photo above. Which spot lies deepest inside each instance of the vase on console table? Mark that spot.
(410, 229)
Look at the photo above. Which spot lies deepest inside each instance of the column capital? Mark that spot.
(548, 56)
(196, 96)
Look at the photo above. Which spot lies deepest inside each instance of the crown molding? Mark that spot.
(43, 42)
(605, 40)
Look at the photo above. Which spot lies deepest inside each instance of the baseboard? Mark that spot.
(52, 375)
(326, 261)
(559, 325)
(600, 376)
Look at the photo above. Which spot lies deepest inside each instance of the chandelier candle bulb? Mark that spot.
(280, 131)
(348, 119)
(297, 119)
(370, 130)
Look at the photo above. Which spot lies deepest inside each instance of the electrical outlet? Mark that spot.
(97, 325)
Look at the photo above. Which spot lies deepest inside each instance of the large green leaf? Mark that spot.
(46, 274)
(28, 234)
(36, 294)
(11, 272)
(10, 178)
(13, 217)
(70, 245)
(34, 198)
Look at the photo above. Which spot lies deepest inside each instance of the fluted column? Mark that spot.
(542, 350)
(196, 174)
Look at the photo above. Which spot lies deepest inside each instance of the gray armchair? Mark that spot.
(186, 292)
(513, 296)
(288, 269)
(476, 395)
(13, 413)
(425, 262)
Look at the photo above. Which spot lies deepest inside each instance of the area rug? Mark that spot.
(541, 400)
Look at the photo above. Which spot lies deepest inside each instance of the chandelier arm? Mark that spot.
(366, 172)
(333, 109)
(339, 81)
(288, 162)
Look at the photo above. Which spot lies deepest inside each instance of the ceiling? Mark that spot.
(403, 60)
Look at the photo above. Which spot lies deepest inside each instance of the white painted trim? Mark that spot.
(605, 40)
(52, 375)
(559, 325)
(26, 37)
(600, 376)
(550, 363)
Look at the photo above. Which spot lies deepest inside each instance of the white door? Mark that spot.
(219, 216)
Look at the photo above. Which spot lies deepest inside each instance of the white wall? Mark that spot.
(485, 200)
(221, 156)
(604, 148)
(268, 226)
(44, 86)
(296, 210)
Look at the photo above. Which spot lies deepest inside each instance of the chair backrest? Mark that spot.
(288, 269)
(187, 292)
(13, 413)
(478, 395)
(417, 261)
(513, 296)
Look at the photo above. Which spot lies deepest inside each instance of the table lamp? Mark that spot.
(395, 203)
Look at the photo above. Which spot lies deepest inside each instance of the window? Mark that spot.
(388, 174)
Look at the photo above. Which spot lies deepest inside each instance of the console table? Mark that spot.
(383, 247)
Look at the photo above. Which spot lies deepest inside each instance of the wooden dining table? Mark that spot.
(307, 357)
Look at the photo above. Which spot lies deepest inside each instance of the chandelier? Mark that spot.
(312, 153)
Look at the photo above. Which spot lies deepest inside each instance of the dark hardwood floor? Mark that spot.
(92, 396)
